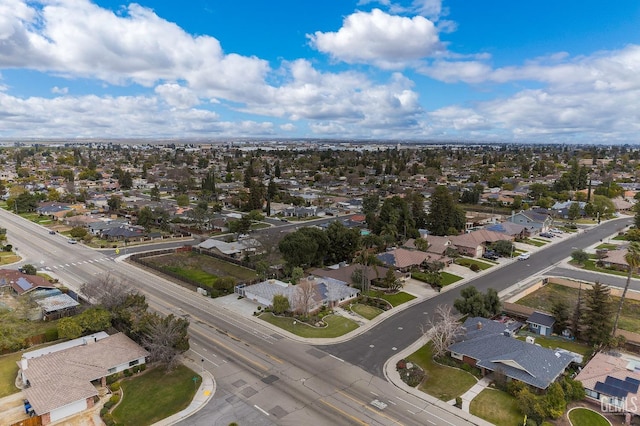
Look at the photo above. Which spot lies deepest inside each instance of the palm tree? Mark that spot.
(633, 261)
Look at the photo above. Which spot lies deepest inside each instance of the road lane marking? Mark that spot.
(257, 364)
(344, 413)
(423, 410)
(357, 401)
(204, 357)
(264, 412)
(335, 357)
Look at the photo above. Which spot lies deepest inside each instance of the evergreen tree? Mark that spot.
(444, 215)
(209, 186)
(598, 314)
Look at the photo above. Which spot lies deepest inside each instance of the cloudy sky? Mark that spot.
(523, 71)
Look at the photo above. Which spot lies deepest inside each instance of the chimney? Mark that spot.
(479, 325)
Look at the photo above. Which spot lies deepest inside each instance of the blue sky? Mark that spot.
(514, 71)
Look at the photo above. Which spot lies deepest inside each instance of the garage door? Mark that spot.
(68, 410)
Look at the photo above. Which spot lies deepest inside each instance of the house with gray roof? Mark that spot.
(489, 345)
(541, 323)
(533, 221)
(327, 291)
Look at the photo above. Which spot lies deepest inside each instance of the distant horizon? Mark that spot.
(414, 71)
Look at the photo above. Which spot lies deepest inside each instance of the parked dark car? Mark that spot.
(547, 235)
(491, 255)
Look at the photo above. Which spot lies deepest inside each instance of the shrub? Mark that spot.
(458, 402)
(115, 387)
(143, 367)
(128, 373)
(115, 398)
(401, 365)
(51, 334)
(474, 267)
(103, 411)
(113, 378)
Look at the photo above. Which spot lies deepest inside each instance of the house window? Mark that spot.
(134, 362)
(456, 355)
(534, 326)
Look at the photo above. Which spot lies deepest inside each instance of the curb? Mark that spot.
(203, 395)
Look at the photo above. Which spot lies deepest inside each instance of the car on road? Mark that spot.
(72, 241)
(52, 232)
(524, 256)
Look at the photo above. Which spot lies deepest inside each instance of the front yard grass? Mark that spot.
(586, 417)
(497, 407)
(543, 299)
(441, 381)
(607, 246)
(336, 326)
(537, 243)
(465, 261)
(7, 257)
(590, 265)
(156, 395)
(448, 278)
(366, 311)
(8, 373)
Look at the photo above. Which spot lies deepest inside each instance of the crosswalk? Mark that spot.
(81, 262)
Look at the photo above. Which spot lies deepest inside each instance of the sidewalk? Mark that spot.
(204, 394)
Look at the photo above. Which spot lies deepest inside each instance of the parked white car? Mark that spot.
(524, 256)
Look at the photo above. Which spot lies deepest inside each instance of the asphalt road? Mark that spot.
(262, 378)
(373, 348)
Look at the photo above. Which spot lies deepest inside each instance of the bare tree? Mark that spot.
(304, 294)
(106, 290)
(166, 338)
(442, 330)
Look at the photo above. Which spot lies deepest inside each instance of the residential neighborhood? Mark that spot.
(317, 246)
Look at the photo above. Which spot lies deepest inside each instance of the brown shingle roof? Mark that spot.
(73, 369)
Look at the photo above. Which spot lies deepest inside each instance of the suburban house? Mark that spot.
(345, 273)
(474, 243)
(534, 222)
(403, 259)
(489, 345)
(327, 291)
(509, 228)
(615, 259)
(22, 283)
(541, 323)
(236, 250)
(61, 380)
(613, 380)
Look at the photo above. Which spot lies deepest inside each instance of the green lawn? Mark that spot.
(201, 266)
(465, 261)
(543, 298)
(336, 326)
(448, 278)
(8, 373)
(156, 395)
(366, 311)
(586, 417)
(497, 407)
(590, 265)
(441, 381)
(620, 238)
(533, 242)
(398, 298)
(553, 343)
(607, 246)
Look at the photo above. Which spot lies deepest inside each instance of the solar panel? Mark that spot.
(627, 386)
(613, 391)
(23, 284)
(632, 380)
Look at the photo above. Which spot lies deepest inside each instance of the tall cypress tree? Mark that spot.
(598, 314)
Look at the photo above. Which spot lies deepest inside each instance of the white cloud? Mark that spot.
(288, 127)
(378, 38)
(177, 96)
(59, 90)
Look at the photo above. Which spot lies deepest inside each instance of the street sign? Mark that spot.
(117, 251)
